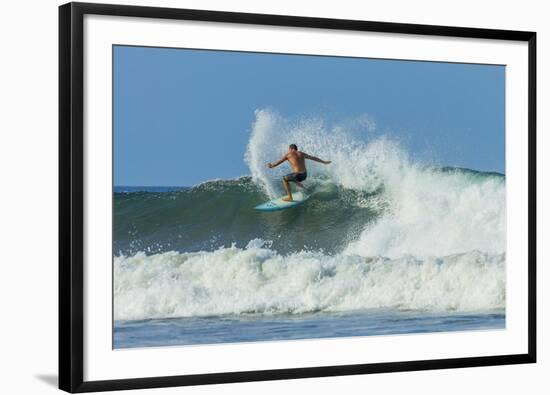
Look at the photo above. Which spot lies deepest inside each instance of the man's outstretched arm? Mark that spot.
(314, 158)
(271, 165)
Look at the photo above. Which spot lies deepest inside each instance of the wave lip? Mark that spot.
(258, 280)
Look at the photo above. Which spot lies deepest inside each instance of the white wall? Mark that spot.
(28, 198)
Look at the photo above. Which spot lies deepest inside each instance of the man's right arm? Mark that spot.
(272, 165)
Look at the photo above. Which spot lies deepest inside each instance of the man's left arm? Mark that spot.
(314, 158)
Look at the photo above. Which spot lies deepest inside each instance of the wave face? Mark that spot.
(221, 214)
(379, 231)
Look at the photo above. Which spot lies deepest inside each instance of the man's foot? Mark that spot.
(299, 184)
(287, 199)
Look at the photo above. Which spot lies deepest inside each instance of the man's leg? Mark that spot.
(287, 189)
(299, 184)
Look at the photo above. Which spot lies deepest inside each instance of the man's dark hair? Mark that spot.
(293, 146)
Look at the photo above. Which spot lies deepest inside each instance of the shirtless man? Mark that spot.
(297, 160)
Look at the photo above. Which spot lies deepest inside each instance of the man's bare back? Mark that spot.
(297, 160)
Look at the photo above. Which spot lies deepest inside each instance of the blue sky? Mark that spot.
(176, 107)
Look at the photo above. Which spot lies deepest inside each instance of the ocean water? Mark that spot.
(385, 245)
(249, 328)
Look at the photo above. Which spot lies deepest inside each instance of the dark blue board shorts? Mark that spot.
(296, 177)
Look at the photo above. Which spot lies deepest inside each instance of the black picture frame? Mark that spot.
(71, 197)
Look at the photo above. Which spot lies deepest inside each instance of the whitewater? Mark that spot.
(382, 231)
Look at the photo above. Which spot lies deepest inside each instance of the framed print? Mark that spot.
(251, 197)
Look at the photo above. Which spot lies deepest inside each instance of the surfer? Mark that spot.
(297, 160)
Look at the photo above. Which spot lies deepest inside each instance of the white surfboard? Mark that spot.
(280, 204)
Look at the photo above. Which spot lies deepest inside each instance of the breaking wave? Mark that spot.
(379, 231)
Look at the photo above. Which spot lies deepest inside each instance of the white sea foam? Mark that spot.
(258, 280)
(435, 214)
